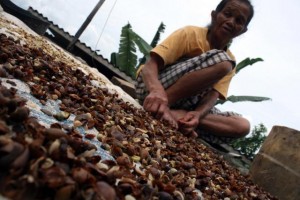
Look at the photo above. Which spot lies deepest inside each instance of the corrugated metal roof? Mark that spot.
(94, 56)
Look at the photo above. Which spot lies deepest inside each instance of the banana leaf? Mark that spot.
(156, 38)
(234, 99)
(246, 62)
(154, 42)
(127, 58)
(143, 46)
(114, 59)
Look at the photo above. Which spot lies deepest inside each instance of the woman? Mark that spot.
(191, 69)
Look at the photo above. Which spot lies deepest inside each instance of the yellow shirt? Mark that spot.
(188, 42)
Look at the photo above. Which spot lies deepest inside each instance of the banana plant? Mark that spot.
(126, 59)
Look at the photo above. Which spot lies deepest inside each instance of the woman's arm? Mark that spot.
(156, 101)
(191, 119)
(207, 103)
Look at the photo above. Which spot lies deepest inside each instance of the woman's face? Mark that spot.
(230, 21)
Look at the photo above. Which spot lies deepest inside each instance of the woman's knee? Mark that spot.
(224, 67)
(242, 127)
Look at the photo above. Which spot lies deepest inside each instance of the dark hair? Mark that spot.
(223, 3)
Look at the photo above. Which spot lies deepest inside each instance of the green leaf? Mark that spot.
(114, 59)
(127, 58)
(246, 62)
(156, 38)
(154, 42)
(143, 46)
(234, 99)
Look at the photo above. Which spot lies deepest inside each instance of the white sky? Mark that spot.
(272, 35)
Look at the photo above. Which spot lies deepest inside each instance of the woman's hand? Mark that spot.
(189, 123)
(157, 104)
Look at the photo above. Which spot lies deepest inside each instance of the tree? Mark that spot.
(249, 145)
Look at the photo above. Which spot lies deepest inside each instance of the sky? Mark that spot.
(272, 35)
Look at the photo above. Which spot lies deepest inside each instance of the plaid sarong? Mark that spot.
(170, 74)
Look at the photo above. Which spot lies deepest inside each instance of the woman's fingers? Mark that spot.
(189, 132)
(160, 111)
(191, 123)
(156, 105)
(188, 117)
(169, 118)
(193, 134)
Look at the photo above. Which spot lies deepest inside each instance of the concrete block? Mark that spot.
(125, 85)
(276, 167)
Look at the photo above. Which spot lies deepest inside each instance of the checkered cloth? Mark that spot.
(170, 74)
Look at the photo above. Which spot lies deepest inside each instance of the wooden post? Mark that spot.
(84, 25)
